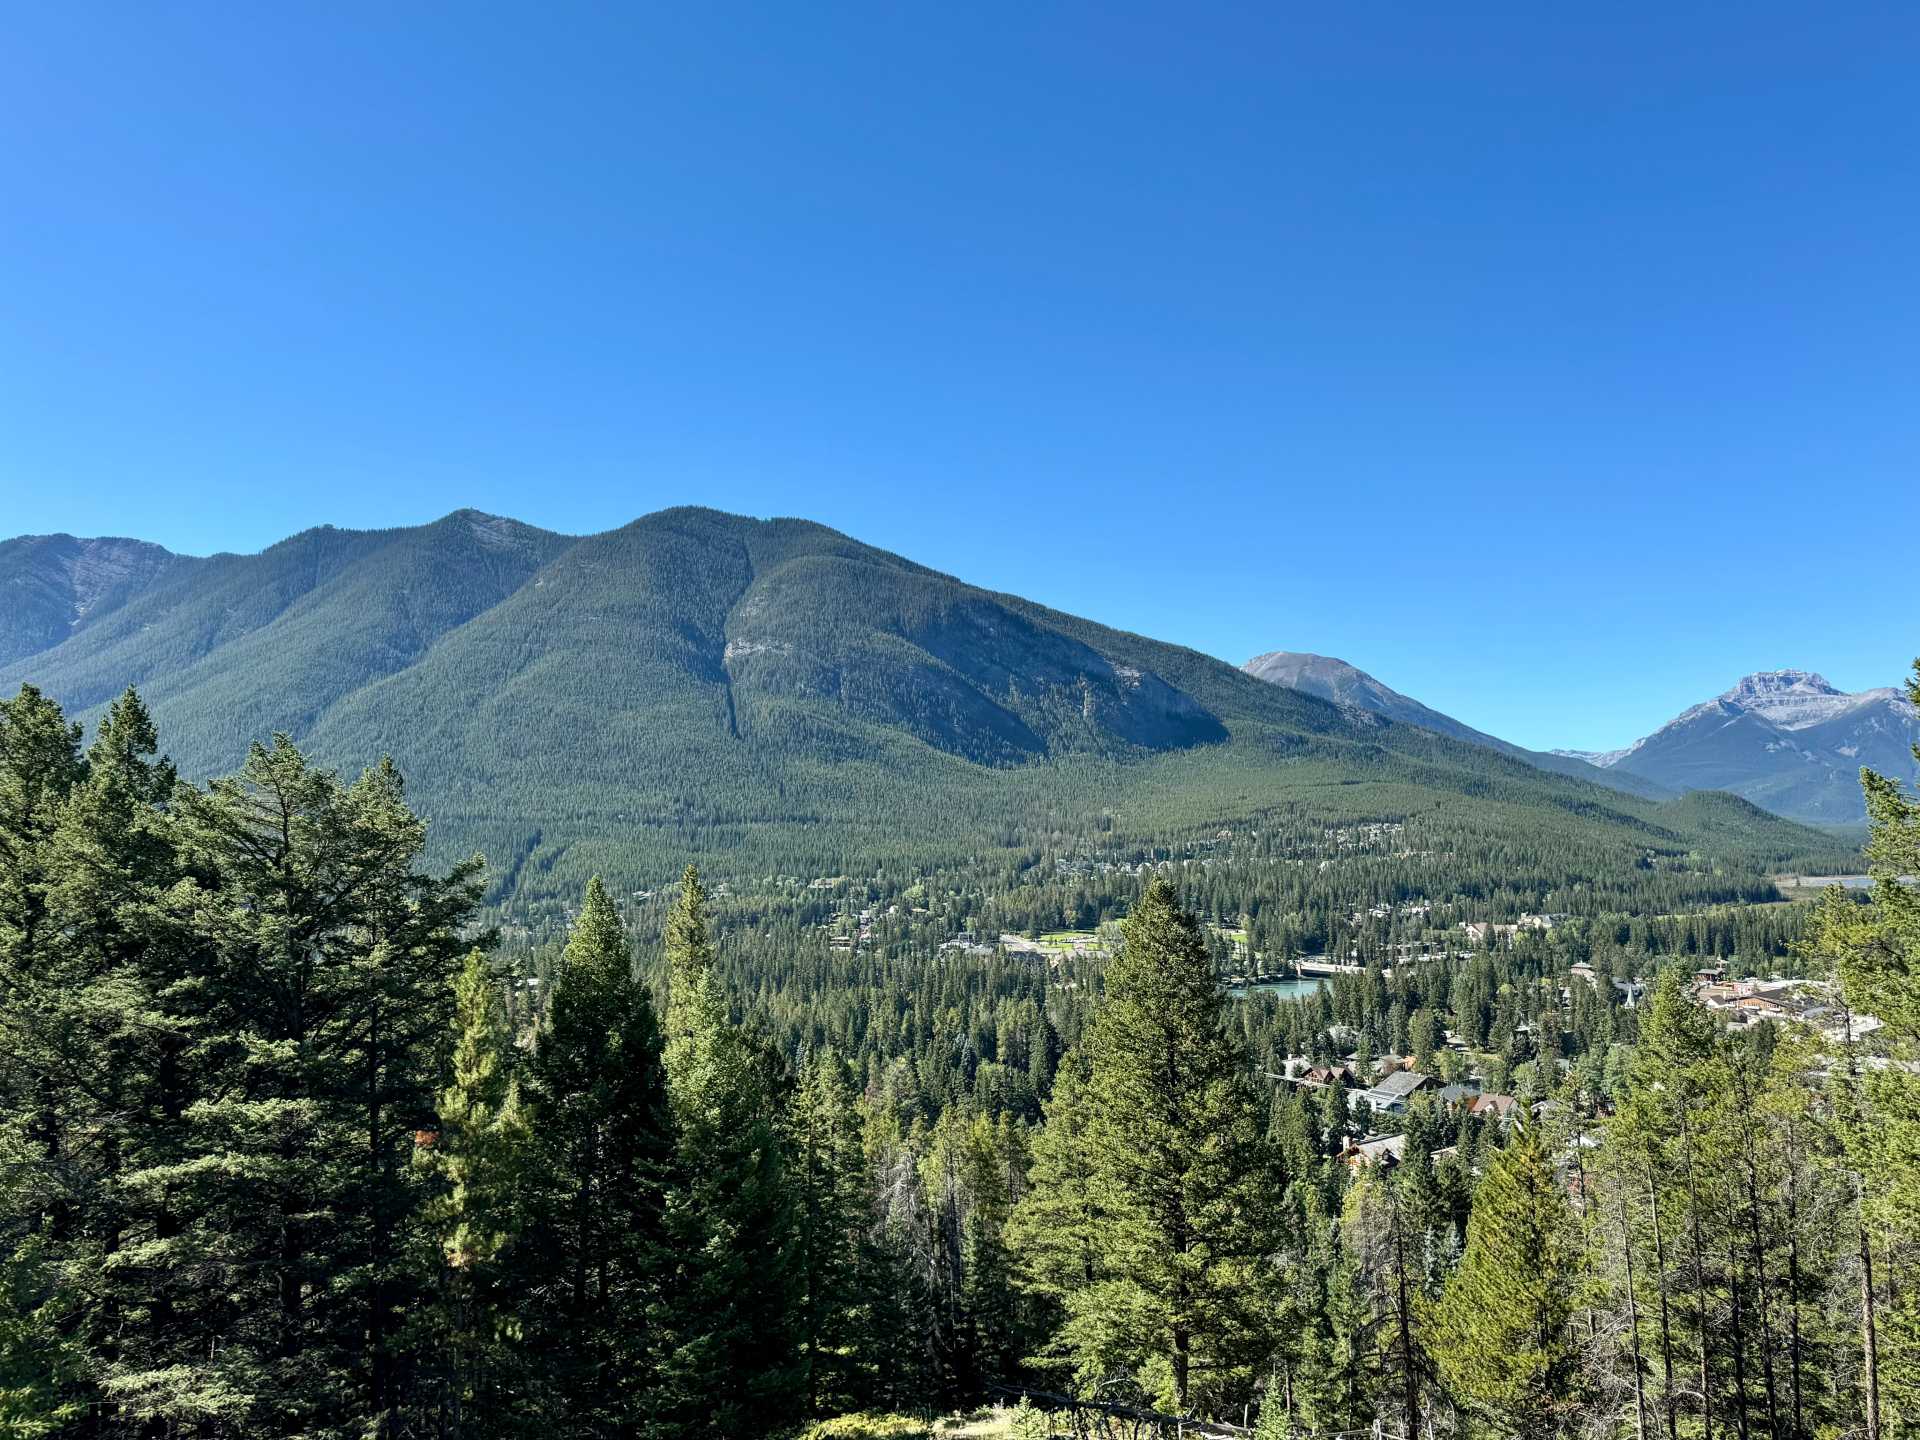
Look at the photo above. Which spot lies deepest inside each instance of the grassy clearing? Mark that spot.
(989, 1423)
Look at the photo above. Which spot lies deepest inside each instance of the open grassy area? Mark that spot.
(987, 1423)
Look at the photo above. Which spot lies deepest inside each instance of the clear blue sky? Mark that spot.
(1556, 365)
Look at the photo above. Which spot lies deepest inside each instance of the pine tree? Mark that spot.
(593, 1257)
(479, 1152)
(1500, 1330)
(1179, 1176)
(830, 1180)
(734, 1220)
(314, 997)
(1053, 1231)
(1876, 951)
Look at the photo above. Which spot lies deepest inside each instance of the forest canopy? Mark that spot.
(300, 1137)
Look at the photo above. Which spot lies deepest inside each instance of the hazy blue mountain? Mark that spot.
(1346, 685)
(698, 685)
(1784, 739)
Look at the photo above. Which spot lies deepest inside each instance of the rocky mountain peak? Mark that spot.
(1765, 684)
(1794, 699)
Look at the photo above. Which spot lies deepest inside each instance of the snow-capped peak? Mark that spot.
(1601, 758)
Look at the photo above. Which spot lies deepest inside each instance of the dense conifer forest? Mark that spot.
(775, 695)
(306, 1132)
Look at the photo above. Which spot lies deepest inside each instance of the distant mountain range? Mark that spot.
(698, 685)
(1784, 739)
(1344, 685)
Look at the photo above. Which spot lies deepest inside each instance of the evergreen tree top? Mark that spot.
(599, 941)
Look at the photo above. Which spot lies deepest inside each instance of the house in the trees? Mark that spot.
(1320, 1076)
(1383, 1150)
(1498, 1107)
(1391, 1094)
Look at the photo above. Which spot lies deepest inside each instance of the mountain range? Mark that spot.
(697, 684)
(1784, 739)
(1343, 684)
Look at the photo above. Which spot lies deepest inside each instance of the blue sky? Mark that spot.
(1557, 367)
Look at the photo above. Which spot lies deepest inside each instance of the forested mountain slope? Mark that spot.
(776, 693)
(53, 586)
(232, 647)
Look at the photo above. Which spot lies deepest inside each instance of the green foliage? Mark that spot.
(868, 1427)
(1026, 1422)
(835, 1307)
(1501, 1338)
(39, 1367)
(595, 1267)
(755, 694)
(479, 1153)
(1173, 1178)
(732, 1216)
(221, 1030)
(288, 1146)
(1876, 951)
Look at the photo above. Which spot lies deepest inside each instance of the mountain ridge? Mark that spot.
(1336, 680)
(695, 684)
(1788, 740)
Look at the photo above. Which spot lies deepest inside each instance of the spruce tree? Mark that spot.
(480, 1153)
(1876, 951)
(733, 1216)
(1178, 1175)
(1500, 1335)
(593, 1259)
(832, 1316)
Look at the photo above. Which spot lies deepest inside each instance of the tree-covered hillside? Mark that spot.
(753, 693)
(293, 1143)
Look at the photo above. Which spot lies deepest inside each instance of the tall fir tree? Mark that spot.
(832, 1316)
(1053, 1231)
(44, 1357)
(479, 1153)
(1179, 1177)
(108, 981)
(317, 994)
(1876, 952)
(40, 763)
(734, 1223)
(594, 1253)
(1500, 1330)
(1386, 1255)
